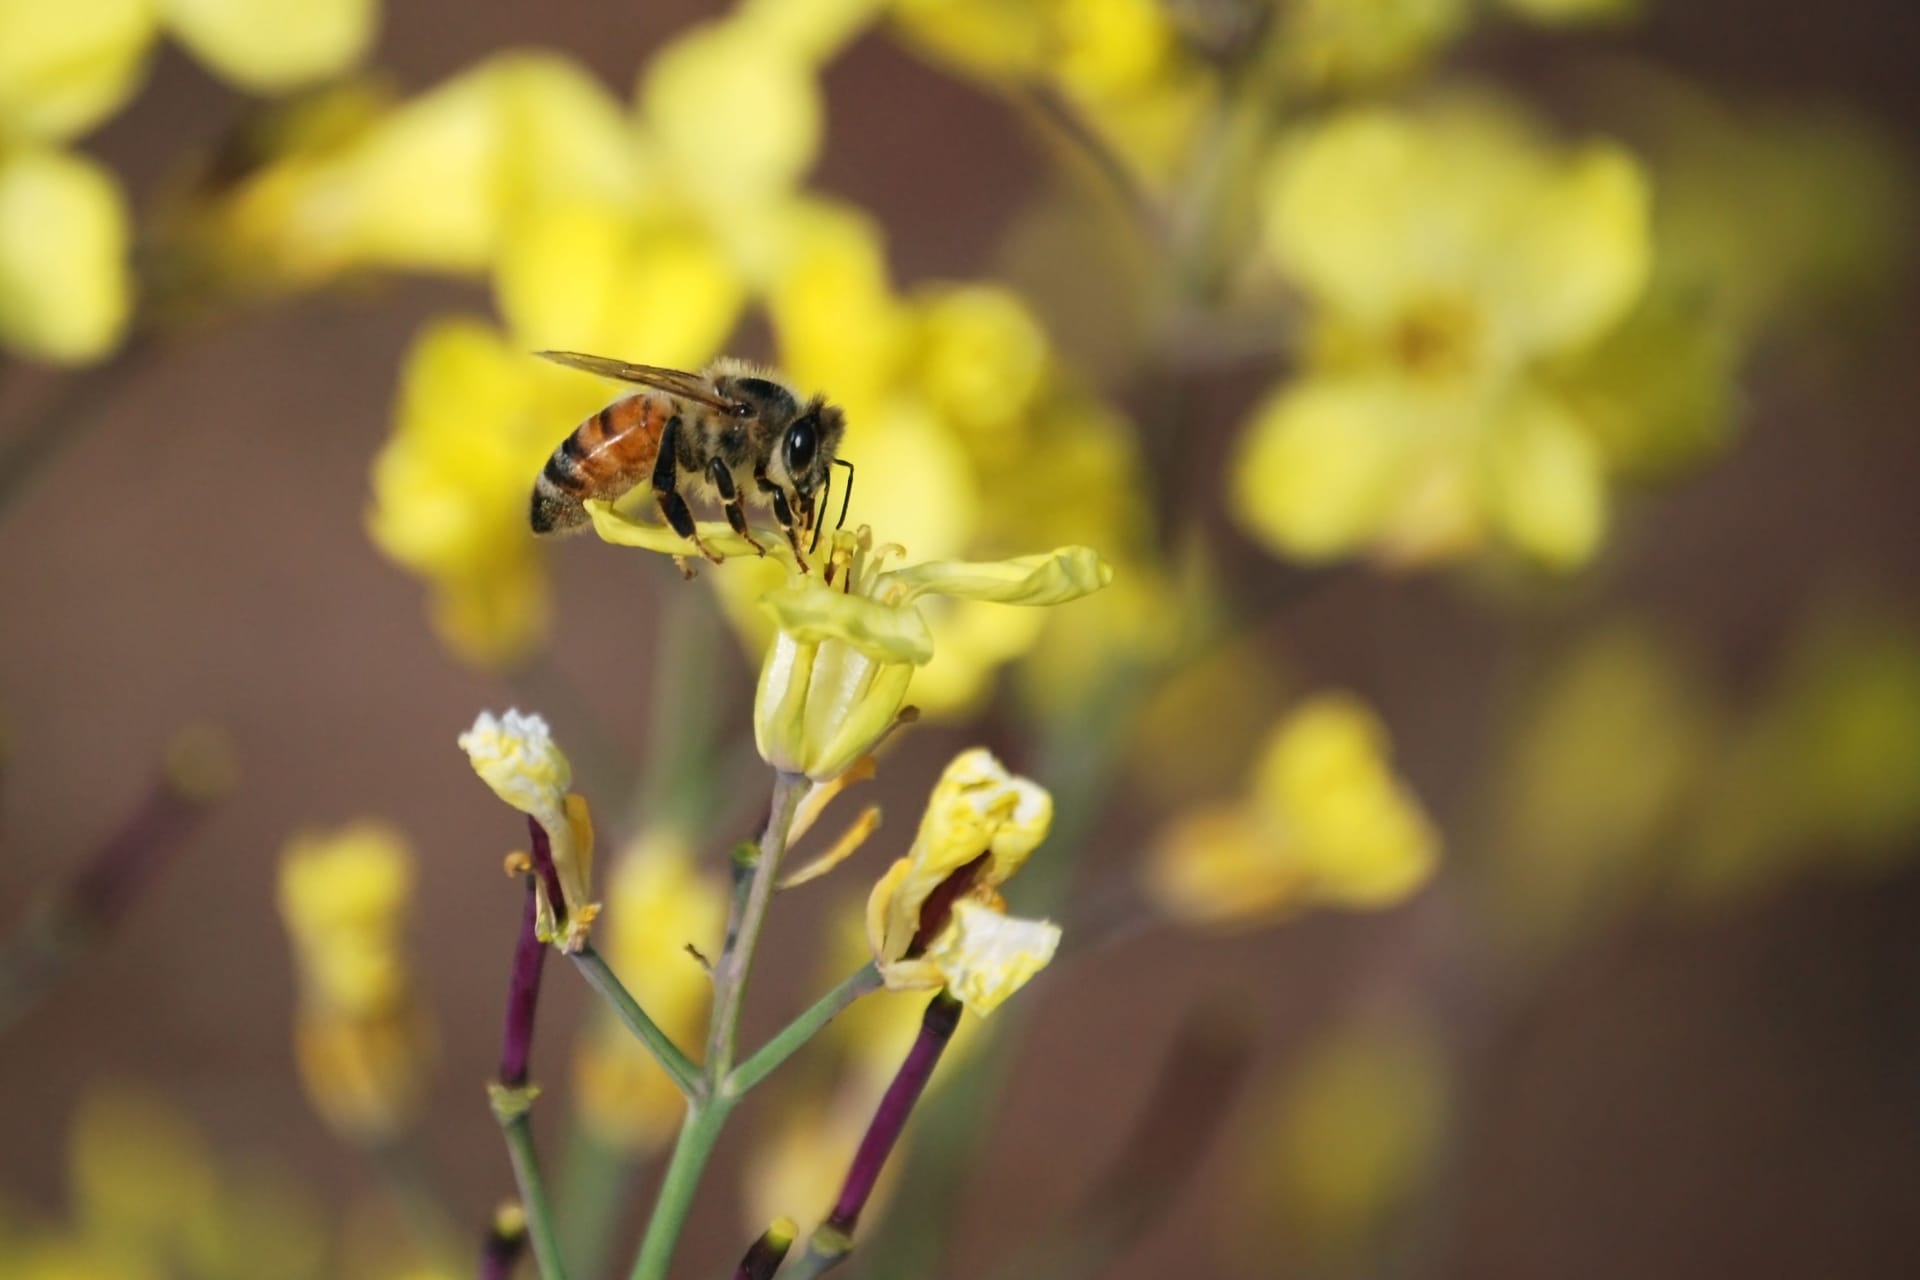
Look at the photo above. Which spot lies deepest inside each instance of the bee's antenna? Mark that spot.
(846, 497)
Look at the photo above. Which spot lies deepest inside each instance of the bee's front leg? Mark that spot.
(666, 479)
(722, 477)
(782, 516)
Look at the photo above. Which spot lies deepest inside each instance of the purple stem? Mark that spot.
(523, 995)
(543, 867)
(121, 868)
(890, 1117)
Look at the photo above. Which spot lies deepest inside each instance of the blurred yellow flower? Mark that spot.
(363, 1041)
(516, 756)
(1605, 760)
(659, 904)
(1326, 822)
(66, 67)
(451, 486)
(147, 1201)
(1451, 259)
(935, 919)
(1123, 65)
(267, 47)
(1355, 43)
(65, 291)
(1345, 1139)
(1828, 770)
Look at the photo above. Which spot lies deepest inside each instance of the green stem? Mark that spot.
(708, 1106)
(675, 1063)
(730, 974)
(533, 1197)
(698, 1134)
(767, 1060)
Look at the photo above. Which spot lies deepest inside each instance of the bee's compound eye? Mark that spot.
(801, 444)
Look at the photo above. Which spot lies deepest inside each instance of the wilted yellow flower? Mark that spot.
(980, 826)
(363, 1041)
(516, 755)
(1454, 260)
(65, 291)
(1327, 822)
(659, 904)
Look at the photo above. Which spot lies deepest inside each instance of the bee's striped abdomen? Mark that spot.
(601, 458)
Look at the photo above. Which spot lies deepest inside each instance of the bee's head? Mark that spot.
(806, 449)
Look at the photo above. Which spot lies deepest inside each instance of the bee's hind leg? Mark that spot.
(722, 477)
(666, 476)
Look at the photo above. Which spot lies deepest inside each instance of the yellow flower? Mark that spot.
(660, 905)
(935, 919)
(516, 756)
(1454, 261)
(65, 292)
(1326, 823)
(267, 47)
(363, 1041)
(839, 667)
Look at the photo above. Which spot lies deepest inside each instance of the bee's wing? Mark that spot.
(678, 382)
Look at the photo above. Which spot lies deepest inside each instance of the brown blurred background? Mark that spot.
(1705, 1094)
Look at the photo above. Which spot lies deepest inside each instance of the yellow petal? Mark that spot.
(437, 184)
(625, 531)
(812, 612)
(1325, 463)
(1545, 486)
(343, 897)
(986, 956)
(1352, 828)
(1580, 250)
(590, 276)
(736, 114)
(1220, 866)
(66, 67)
(65, 292)
(1064, 574)
(268, 47)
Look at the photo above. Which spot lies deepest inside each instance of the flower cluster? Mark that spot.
(66, 292)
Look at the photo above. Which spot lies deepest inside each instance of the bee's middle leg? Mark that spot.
(722, 477)
(782, 516)
(666, 477)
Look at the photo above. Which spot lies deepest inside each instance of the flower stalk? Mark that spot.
(832, 1241)
(511, 1095)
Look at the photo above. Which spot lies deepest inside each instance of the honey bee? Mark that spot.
(735, 430)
